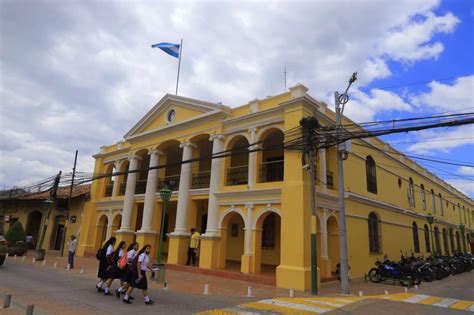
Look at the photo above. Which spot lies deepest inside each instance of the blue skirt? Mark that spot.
(141, 284)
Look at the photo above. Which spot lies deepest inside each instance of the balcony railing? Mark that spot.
(237, 175)
(271, 171)
(171, 181)
(122, 189)
(108, 190)
(201, 180)
(329, 180)
(140, 187)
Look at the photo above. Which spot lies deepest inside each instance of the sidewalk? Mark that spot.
(192, 279)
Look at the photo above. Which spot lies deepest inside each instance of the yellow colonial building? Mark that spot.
(252, 207)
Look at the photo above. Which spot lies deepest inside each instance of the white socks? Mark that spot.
(126, 297)
(147, 298)
(107, 290)
(99, 285)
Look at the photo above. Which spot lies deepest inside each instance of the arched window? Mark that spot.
(437, 240)
(370, 173)
(416, 241)
(451, 241)
(465, 216)
(445, 242)
(458, 242)
(411, 192)
(427, 239)
(423, 197)
(441, 208)
(268, 232)
(374, 233)
(433, 202)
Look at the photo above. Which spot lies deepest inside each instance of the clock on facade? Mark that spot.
(171, 115)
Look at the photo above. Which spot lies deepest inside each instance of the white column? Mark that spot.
(324, 234)
(214, 185)
(150, 192)
(252, 159)
(181, 227)
(248, 231)
(322, 169)
(115, 188)
(129, 194)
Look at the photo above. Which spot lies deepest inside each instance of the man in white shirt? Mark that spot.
(72, 251)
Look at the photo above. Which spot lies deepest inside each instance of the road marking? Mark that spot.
(417, 298)
(446, 302)
(295, 306)
(471, 308)
(325, 303)
(430, 300)
(344, 300)
(462, 305)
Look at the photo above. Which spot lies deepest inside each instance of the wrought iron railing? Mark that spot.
(122, 188)
(329, 180)
(271, 171)
(201, 180)
(237, 175)
(140, 187)
(170, 181)
(108, 190)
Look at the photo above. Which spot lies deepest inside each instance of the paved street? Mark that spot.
(54, 290)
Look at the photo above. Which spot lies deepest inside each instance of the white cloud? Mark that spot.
(464, 185)
(432, 141)
(445, 97)
(465, 170)
(79, 75)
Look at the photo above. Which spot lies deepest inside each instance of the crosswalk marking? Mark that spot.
(417, 298)
(446, 302)
(344, 300)
(295, 306)
(325, 303)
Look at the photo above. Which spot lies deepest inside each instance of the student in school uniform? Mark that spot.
(132, 251)
(138, 279)
(114, 272)
(105, 257)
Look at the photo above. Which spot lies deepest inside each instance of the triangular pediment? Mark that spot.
(172, 110)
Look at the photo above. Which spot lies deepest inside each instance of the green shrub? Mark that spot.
(16, 233)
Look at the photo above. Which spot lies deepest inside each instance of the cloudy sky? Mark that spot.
(78, 75)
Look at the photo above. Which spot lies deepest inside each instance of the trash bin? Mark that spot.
(40, 253)
(158, 272)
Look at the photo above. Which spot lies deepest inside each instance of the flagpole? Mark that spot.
(179, 64)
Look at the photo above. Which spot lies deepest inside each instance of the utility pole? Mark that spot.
(342, 155)
(63, 241)
(309, 124)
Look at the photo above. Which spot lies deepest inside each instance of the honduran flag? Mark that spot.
(169, 48)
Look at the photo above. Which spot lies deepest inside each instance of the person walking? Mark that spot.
(131, 253)
(104, 256)
(71, 251)
(193, 247)
(114, 272)
(138, 275)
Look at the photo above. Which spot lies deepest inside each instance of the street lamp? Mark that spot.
(165, 194)
(430, 219)
(40, 251)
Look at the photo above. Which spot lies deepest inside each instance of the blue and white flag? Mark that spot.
(169, 48)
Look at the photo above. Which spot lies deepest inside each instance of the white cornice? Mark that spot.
(273, 192)
(109, 204)
(259, 114)
(99, 155)
(191, 122)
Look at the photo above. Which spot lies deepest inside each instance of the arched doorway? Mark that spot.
(232, 241)
(34, 225)
(437, 240)
(101, 232)
(333, 242)
(58, 232)
(266, 236)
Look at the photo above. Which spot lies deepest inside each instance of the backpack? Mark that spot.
(100, 255)
(122, 263)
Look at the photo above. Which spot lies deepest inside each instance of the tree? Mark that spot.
(16, 233)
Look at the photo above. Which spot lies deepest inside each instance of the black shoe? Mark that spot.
(127, 301)
(99, 289)
(131, 298)
(117, 293)
(108, 293)
(150, 302)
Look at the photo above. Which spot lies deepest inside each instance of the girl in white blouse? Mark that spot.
(138, 279)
